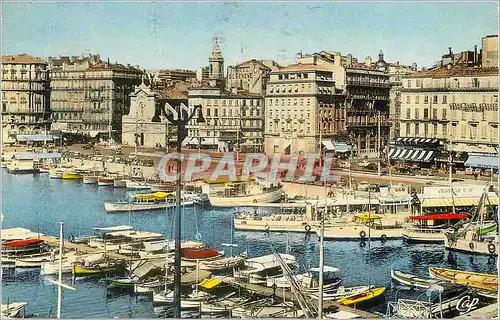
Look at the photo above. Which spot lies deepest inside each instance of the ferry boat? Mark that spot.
(226, 193)
(147, 202)
(105, 181)
(430, 228)
(72, 175)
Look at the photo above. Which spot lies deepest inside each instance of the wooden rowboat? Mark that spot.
(99, 269)
(412, 280)
(363, 297)
(71, 175)
(483, 281)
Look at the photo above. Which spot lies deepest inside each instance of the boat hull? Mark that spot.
(105, 181)
(477, 280)
(472, 246)
(81, 271)
(89, 179)
(267, 197)
(111, 207)
(354, 233)
(71, 176)
(411, 235)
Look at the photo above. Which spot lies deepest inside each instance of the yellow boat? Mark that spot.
(101, 269)
(71, 175)
(154, 196)
(484, 281)
(362, 297)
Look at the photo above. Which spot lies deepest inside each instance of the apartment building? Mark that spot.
(303, 108)
(231, 119)
(250, 76)
(89, 96)
(25, 96)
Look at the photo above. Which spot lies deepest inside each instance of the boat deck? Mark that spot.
(287, 295)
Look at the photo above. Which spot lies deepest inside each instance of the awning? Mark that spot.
(210, 283)
(94, 133)
(33, 155)
(407, 154)
(466, 202)
(114, 228)
(328, 145)
(342, 147)
(441, 216)
(209, 142)
(34, 137)
(482, 161)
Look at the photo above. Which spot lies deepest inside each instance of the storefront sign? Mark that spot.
(458, 191)
(474, 107)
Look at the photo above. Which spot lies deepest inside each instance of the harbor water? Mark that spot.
(39, 203)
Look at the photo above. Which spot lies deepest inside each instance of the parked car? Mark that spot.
(469, 171)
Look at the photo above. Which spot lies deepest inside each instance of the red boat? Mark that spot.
(22, 243)
(45, 169)
(201, 254)
(105, 181)
(441, 216)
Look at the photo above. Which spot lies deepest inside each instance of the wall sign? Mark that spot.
(474, 107)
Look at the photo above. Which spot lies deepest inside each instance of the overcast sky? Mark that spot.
(180, 34)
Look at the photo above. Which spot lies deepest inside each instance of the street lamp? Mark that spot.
(180, 122)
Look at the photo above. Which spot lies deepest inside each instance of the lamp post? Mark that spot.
(180, 122)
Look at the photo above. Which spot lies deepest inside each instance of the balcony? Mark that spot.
(368, 83)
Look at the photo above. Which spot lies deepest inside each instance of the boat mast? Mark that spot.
(59, 288)
(166, 267)
(322, 253)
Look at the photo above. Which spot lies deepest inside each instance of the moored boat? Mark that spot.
(90, 179)
(364, 297)
(13, 309)
(222, 264)
(146, 202)
(119, 183)
(71, 175)
(430, 228)
(44, 169)
(56, 173)
(105, 181)
(201, 254)
(137, 185)
(98, 269)
(477, 280)
(341, 292)
(412, 280)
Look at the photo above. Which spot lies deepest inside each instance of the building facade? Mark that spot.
(489, 51)
(455, 103)
(250, 76)
(302, 109)
(230, 118)
(166, 77)
(25, 96)
(90, 96)
(146, 123)
(216, 67)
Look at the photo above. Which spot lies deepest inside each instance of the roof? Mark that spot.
(248, 63)
(176, 90)
(23, 59)
(459, 70)
(101, 65)
(482, 161)
(303, 67)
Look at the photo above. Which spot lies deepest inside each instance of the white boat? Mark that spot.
(341, 292)
(147, 287)
(13, 309)
(222, 264)
(119, 183)
(56, 173)
(163, 297)
(309, 280)
(235, 193)
(90, 179)
(148, 202)
(137, 185)
(256, 270)
(430, 228)
(105, 181)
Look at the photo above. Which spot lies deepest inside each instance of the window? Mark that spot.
(435, 130)
(416, 114)
(435, 99)
(417, 99)
(494, 99)
(426, 113)
(462, 130)
(208, 112)
(216, 112)
(419, 83)
(417, 129)
(409, 83)
(426, 99)
(444, 114)
(445, 130)
(305, 75)
(426, 129)
(408, 113)
(475, 82)
(4, 106)
(445, 99)
(407, 99)
(434, 114)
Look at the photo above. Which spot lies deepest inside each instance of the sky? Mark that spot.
(181, 34)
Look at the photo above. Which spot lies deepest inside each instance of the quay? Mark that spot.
(287, 295)
(488, 312)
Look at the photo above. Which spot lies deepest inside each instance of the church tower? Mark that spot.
(216, 65)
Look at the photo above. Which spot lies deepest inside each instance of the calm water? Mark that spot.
(39, 203)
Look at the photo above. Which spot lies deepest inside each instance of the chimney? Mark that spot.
(449, 48)
(475, 54)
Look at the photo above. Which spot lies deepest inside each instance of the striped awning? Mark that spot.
(415, 141)
(466, 202)
(407, 154)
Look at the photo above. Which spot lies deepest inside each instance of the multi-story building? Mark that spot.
(455, 103)
(366, 104)
(25, 95)
(230, 118)
(89, 96)
(166, 77)
(302, 109)
(489, 51)
(250, 75)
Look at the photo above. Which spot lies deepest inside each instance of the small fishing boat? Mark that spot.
(105, 181)
(56, 173)
(72, 175)
(146, 202)
(148, 286)
(90, 179)
(98, 269)
(24, 246)
(258, 269)
(412, 280)
(222, 264)
(163, 187)
(13, 309)
(309, 280)
(122, 283)
(201, 254)
(341, 292)
(483, 281)
(363, 297)
(159, 245)
(45, 169)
